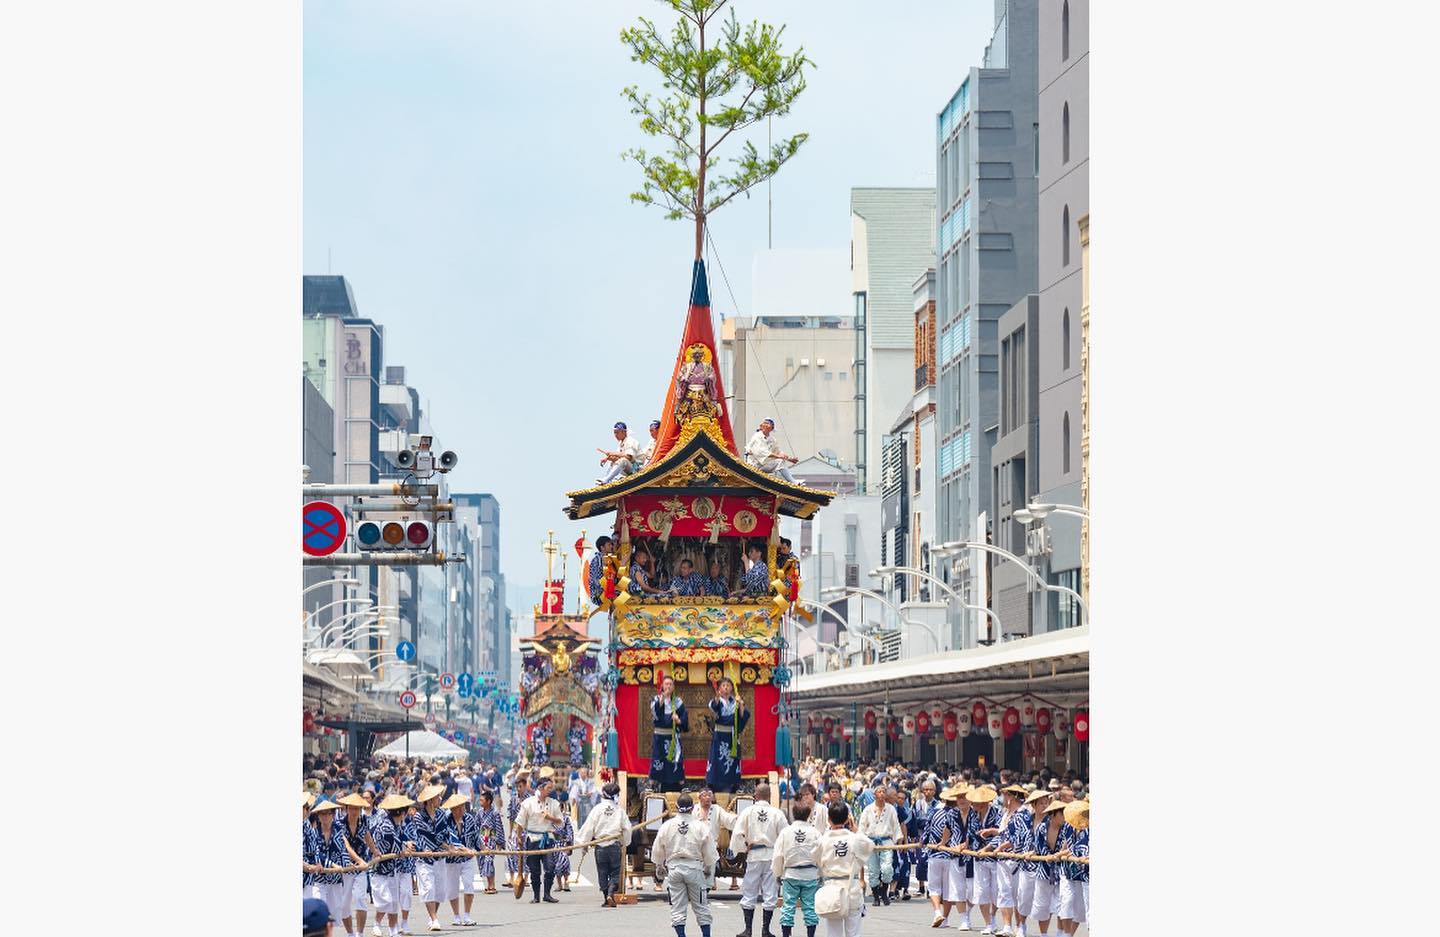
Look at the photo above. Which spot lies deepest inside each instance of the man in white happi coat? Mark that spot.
(757, 829)
(684, 856)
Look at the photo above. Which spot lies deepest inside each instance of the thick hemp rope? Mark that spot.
(467, 853)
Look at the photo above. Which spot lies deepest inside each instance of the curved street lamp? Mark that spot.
(856, 590)
(912, 571)
(329, 582)
(1038, 511)
(1025, 567)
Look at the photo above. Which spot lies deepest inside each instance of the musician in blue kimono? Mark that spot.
(603, 548)
(577, 743)
(722, 769)
(688, 581)
(540, 742)
(756, 579)
(669, 719)
(563, 836)
(715, 582)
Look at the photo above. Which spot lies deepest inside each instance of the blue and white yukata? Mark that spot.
(410, 833)
(756, 580)
(1047, 874)
(947, 872)
(565, 836)
(693, 584)
(1013, 837)
(982, 889)
(386, 879)
(915, 829)
(512, 861)
(716, 586)
(432, 874)
(492, 835)
(462, 868)
(1075, 876)
(360, 882)
(667, 756)
(332, 887)
(722, 769)
(309, 848)
(592, 579)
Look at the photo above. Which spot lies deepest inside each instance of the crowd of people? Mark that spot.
(1003, 852)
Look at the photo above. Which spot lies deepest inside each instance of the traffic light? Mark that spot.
(395, 531)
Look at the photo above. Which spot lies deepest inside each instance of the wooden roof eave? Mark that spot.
(795, 500)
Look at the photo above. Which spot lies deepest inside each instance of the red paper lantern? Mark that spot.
(1042, 720)
(1082, 726)
(951, 729)
(894, 729)
(829, 726)
(1010, 723)
(978, 713)
(309, 722)
(869, 720)
(922, 722)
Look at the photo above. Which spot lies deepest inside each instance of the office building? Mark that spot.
(1064, 202)
(792, 359)
(985, 238)
(892, 241)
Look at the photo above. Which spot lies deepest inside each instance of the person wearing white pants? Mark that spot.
(461, 869)
(1014, 836)
(757, 828)
(389, 885)
(843, 853)
(333, 851)
(1046, 842)
(684, 854)
(1075, 876)
(432, 825)
(1029, 869)
(984, 823)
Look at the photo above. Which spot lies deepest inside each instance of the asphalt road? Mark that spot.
(579, 913)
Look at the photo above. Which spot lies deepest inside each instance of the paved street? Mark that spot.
(579, 914)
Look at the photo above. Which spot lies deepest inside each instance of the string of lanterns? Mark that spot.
(1026, 716)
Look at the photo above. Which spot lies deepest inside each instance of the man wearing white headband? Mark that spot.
(764, 453)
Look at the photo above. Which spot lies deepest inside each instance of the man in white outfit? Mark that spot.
(881, 824)
(842, 852)
(684, 855)
(606, 820)
(622, 461)
(757, 829)
(764, 453)
(716, 817)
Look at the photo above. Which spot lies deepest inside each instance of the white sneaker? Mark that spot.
(938, 920)
(434, 924)
(989, 929)
(375, 931)
(963, 925)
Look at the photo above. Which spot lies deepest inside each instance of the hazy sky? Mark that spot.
(462, 170)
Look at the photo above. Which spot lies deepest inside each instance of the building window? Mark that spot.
(1065, 237)
(1065, 134)
(1065, 32)
(1065, 445)
(1065, 341)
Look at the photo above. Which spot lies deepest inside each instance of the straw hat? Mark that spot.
(1013, 789)
(950, 793)
(323, 806)
(396, 802)
(307, 798)
(455, 800)
(431, 791)
(1077, 814)
(1057, 805)
(353, 800)
(1037, 795)
(547, 772)
(980, 795)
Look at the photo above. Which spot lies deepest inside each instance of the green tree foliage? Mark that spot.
(715, 86)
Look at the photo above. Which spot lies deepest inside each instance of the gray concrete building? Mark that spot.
(1064, 200)
(892, 242)
(480, 512)
(985, 239)
(1014, 461)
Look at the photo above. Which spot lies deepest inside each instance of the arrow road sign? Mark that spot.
(463, 690)
(405, 650)
(407, 699)
(323, 528)
(465, 682)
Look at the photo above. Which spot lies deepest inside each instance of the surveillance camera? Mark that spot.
(448, 460)
(404, 458)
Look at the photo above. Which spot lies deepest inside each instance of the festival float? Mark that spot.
(696, 499)
(559, 679)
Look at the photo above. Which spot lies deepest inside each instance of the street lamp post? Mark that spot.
(899, 618)
(1026, 568)
(1038, 511)
(913, 571)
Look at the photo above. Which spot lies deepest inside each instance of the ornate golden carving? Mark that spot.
(745, 521)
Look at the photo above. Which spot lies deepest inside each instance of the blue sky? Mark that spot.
(462, 170)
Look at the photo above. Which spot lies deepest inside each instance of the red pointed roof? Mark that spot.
(697, 331)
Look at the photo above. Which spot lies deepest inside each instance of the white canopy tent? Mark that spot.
(423, 744)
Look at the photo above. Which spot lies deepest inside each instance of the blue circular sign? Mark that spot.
(405, 650)
(464, 682)
(324, 528)
(463, 690)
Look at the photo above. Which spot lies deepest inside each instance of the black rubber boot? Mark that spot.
(785, 930)
(885, 894)
(809, 930)
(765, 923)
(749, 922)
(679, 930)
